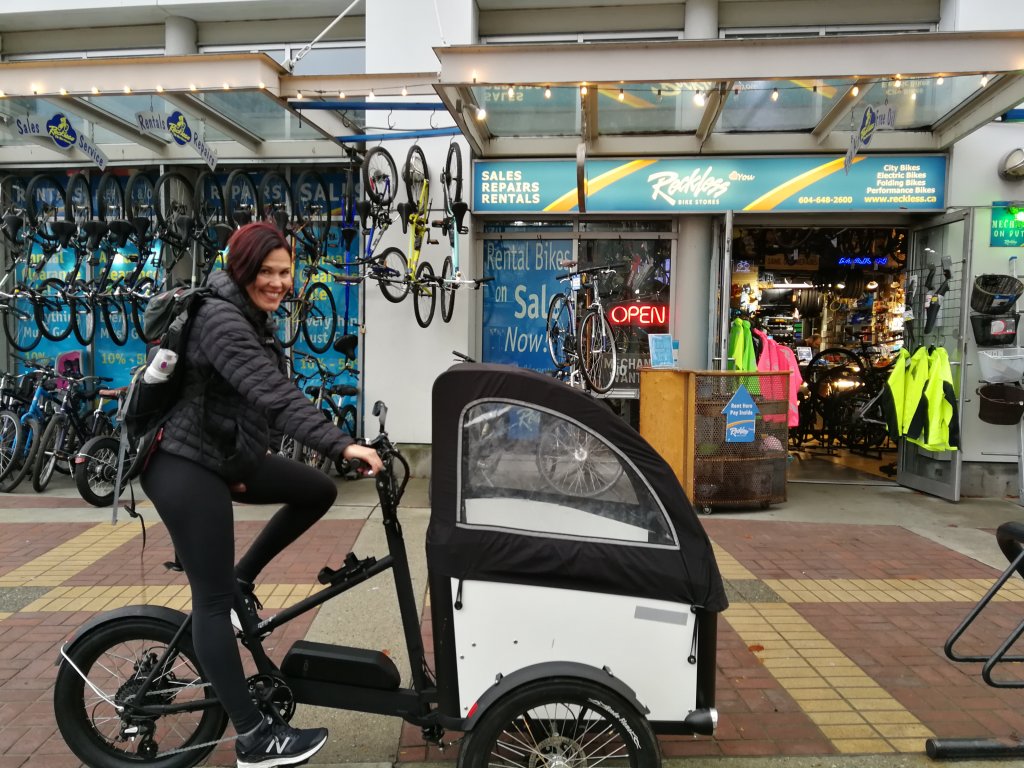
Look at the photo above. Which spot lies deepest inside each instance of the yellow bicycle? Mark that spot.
(415, 220)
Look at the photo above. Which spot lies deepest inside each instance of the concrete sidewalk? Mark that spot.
(830, 654)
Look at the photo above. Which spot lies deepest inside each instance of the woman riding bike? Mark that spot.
(214, 448)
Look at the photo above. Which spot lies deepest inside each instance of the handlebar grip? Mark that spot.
(381, 411)
(465, 358)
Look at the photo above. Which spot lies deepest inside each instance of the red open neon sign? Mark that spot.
(638, 314)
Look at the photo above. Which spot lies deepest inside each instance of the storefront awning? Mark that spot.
(775, 95)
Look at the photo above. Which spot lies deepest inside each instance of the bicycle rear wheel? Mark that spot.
(78, 205)
(275, 199)
(115, 319)
(139, 298)
(20, 325)
(57, 444)
(452, 178)
(140, 197)
(447, 289)
(52, 312)
(110, 198)
(424, 294)
(44, 202)
(242, 202)
(174, 198)
(319, 318)
(391, 271)
(10, 435)
(289, 321)
(598, 355)
(83, 313)
(313, 210)
(96, 470)
(380, 176)
(414, 174)
(559, 331)
(25, 455)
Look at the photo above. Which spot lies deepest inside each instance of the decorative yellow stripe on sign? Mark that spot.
(851, 710)
(568, 201)
(772, 198)
(72, 557)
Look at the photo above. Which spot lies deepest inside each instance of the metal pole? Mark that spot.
(290, 64)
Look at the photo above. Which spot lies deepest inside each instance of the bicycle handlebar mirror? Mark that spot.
(380, 410)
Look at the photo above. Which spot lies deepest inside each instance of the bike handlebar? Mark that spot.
(603, 269)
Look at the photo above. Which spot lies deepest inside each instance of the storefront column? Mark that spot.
(179, 36)
(691, 278)
(701, 21)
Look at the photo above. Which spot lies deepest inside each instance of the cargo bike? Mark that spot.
(573, 595)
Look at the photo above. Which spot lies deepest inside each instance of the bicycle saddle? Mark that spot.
(346, 345)
(345, 390)
(363, 211)
(241, 218)
(312, 390)
(223, 234)
(348, 234)
(404, 212)
(13, 222)
(63, 231)
(141, 224)
(459, 209)
(94, 232)
(121, 230)
(182, 224)
(280, 218)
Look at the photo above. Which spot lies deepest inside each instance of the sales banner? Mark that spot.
(682, 185)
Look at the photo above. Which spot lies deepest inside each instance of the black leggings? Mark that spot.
(196, 506)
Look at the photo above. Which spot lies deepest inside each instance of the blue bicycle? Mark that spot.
(33, 421)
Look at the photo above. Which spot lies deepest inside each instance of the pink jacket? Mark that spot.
(776, 357)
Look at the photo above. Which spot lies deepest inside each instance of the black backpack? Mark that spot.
(165, 324)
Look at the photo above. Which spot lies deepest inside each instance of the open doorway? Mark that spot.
(837, 297)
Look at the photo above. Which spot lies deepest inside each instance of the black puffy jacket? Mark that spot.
(235, 389)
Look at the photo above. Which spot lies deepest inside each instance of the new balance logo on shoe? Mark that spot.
(278, 745)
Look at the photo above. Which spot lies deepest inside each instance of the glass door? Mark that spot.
(937, 266)
(721, 285)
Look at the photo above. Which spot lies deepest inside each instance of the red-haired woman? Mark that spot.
(214, 448)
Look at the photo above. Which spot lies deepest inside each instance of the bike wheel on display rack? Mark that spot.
(174, 198)
(241, 198)
(110, 203)
(447, 289)
(451, 179)
(83, 313)
(380, 176)
(44, 203)
(289, 321)
(140, 197)
(210, 203)
(139, 300)
(312, 209)
(319, 318)
(52, 311)
(78, 205)
(559, 331)
(424, 294)
(392, 274)
(20, 325)
(115, 319)
(275, 201)
(346, 421)
(415, 173)
(598, 355)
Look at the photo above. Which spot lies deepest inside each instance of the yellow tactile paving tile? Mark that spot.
(72, 557)
(852, 711)
(729, 566)
(172, 596)
(890, 590)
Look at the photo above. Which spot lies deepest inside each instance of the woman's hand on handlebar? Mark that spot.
(365, 454)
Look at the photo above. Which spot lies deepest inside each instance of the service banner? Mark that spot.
(683, 185)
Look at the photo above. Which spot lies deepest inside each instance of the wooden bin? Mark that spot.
(681, 417)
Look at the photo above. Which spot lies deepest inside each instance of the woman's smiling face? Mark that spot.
(272, 282)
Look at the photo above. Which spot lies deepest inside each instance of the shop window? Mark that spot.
(531, 470)
(331, 61)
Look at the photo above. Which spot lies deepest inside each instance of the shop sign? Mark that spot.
(638, 314)
(700, 185)
(740, 417)
(59, 133)
(176, 124)
(1007, 229)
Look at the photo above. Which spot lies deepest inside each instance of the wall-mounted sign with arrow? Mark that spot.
(740, 417)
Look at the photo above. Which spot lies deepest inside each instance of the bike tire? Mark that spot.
(10, 435)
(313, 209)
(319, 318)
(597, 351)
(96, 470)
(275, 200)
(347, 421)
(20, 324)
(241, 199)
(52, 309)
(559, 331)
(575, 462)
(12, 194)
(424, 294)
(447, 289)
(415, 174)
(289, 321)
(209, 203)
(452, 180)
(140, 197)
(55, 439)
(110, 198)
(579, 718)
(348, 217)
(380, 177)
(115, 319)
(31, 432)
(123, 647)
(44, 197)
(391, 271)
(140, 296)
(78, 202)
(83, 315)
(174, 196)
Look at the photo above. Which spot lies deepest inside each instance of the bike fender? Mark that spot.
(548, 670)
(157, 612)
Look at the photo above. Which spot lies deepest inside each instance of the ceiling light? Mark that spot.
(481, 113)
(192, 87)
(95, 91)
(511, 91)
(698, 99)
(622, 95)
(2, 94)
(840, 285)
(298, 95)
(855, 90)
(897, 83)
(63, 91)
(872, 285)
(984, 80)
(341, 94)
(262, 85)
(913, 96)
(226, 87)
(583, 90)
(940, 81)
(547, 93)
(159, 89)
(405, 91)
(775, 94)
(371, 96)
(127, 89)
(35, 89)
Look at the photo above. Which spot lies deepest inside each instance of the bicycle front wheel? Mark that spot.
(241, 200)
(380, 177)
(289, 321)
(414, 174)
(56, 443)
(559, 330)
(447, 289)
(424, 294)
(391, 271)
(20, 324)
(116, 657)
(24, 455)
(115, 318)
(52, 313)
(598, 355)
(83, 314)
(10, 435)
(319, 318)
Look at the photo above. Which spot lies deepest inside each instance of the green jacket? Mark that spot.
(942, 426)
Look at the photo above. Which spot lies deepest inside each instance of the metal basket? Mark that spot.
(995, 294)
